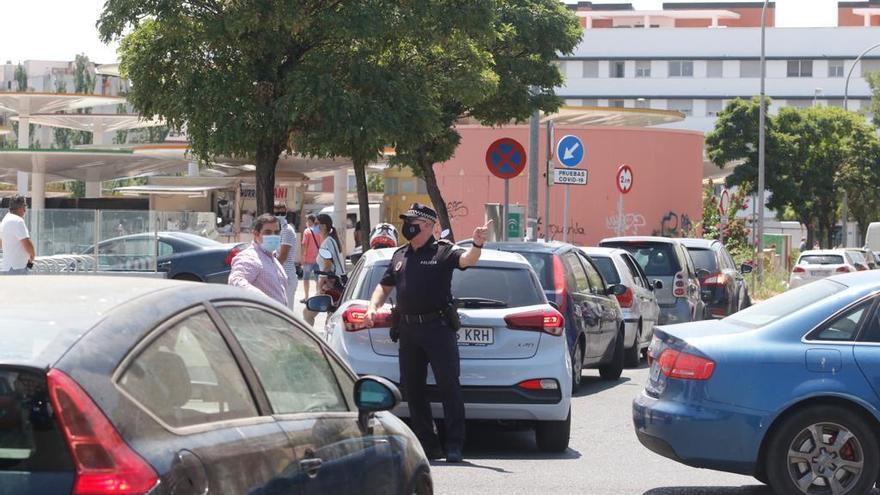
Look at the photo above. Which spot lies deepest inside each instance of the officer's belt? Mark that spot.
(421, 318)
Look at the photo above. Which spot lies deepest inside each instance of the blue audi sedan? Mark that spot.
(787, 391)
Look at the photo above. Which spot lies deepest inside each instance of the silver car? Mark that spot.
(514, 362)
(638, 304)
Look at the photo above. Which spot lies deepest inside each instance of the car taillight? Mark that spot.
(684, 366)
(860, 267)
(541, 320)
(715, 279)
(798, 269)
(559, 284)
(104, 463)
(353, 318)
(678, 285)
(539, 384)
(626, 299)
(229, 256)
(843, 269)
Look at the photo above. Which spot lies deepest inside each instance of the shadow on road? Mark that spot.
(591, 385)
(493, 441)
(711, 490)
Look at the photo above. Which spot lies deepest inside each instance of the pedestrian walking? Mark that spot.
(311, 242)
(803, 245)
(426, 323)
(287, 254)
(15, 240)
(255, 268)
(336, 262)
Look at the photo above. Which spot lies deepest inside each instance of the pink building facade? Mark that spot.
(665, 198)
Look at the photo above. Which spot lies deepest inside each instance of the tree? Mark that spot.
(873, 79)
(21, 78)
(83, 83)
(232, 72)
(511, 74)
(63, 138)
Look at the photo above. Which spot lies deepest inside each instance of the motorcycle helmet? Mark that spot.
(384, 235)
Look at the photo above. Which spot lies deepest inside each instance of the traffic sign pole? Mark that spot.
(506, 211)
(550, 139)
(625, 179)
(620, 218)
(565, 213)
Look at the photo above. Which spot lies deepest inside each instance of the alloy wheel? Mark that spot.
(825, 458)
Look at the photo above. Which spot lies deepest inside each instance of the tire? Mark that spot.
(612, 370)
(633, 355)
(577, 366)
(799, 432)
(188, 277)
(422, 485)
(552, 436)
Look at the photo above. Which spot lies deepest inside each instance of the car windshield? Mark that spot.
(657, 258)
(515, 287)
(821, 259)
(704, 259)
(606, 266)
(784, 304)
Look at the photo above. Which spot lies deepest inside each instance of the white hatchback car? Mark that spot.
(514, 362)
(821, 263)
(638, 304)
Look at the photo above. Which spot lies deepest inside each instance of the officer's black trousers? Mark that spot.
(435, 344)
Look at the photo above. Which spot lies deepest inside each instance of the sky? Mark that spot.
(60, 29)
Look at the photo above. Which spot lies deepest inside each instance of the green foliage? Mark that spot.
(873, 79)
(736, 233)
(21, 78)
(812, 156)
(375, 183)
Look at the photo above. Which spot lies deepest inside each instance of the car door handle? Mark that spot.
(311, 466)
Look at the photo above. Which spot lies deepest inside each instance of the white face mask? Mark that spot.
(271, 243)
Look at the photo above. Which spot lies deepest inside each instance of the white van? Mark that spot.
(872, 236)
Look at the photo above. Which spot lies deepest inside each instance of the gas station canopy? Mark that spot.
(26, 104)
(92, 122)
(88, 165)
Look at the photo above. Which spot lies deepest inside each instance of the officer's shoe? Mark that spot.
(434, 453)
(454, 455)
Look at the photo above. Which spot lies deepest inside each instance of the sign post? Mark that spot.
(624, 185)
(723, 206)
(551, 138)
(506, 159)
(569, 152)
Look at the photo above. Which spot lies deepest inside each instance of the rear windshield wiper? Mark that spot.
(478, 302)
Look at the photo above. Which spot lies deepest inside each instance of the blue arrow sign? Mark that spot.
(570, 151)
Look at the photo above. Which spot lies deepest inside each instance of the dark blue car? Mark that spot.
(114, 385)
(787, 390)
(183, 256)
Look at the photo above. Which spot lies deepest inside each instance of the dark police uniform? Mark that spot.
(423, 280)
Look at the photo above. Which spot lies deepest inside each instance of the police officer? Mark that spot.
(422, 274)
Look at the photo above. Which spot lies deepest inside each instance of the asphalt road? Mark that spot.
(604, 456)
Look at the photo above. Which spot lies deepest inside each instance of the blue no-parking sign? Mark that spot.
(570, 151)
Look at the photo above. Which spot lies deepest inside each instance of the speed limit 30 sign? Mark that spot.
(624, 179)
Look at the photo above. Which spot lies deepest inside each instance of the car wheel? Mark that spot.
(612, 370)
(577, 366)
(423, 484)
(552, 436)
(633, 355)
(188, 277)
(823, 449)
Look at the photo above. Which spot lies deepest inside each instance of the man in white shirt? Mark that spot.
(15, 241)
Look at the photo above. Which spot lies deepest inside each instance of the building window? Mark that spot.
(617, 69)
(750, 68)
(643, 68)
(391, 185)
(615, 103)
(422, 186)
(408, 186)
(869, 66)
(684, 106)
(800, 68)
(681, 68)
(714, 68)
(591, 103)
(591, 69)
(713, 107)
(835, 68)
(643, 103)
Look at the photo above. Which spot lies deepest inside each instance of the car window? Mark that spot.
(728, 259)
(355, 277)
(635, 271)
(659, 259)
(686, 260)
(606, 266)
(542, 263)
(597, 285)
(842, 328)
(575, 270)
(165, 249)
(821, 259)
(704, 259)
(784, 304)
(290, 364)
(871, 330)
(187, 376)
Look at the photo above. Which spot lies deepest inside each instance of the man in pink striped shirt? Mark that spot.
(256, 268)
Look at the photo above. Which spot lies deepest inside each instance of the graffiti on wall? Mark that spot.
(557, 231)
(457, 209)
(674, 225)
(632, 222)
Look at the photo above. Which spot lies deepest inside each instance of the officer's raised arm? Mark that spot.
(472, 255)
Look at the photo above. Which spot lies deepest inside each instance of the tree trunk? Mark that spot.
(267, 158)
(436, 196)
(360, 176)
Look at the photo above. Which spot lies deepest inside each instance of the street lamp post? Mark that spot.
(761, 118)
(846, 107)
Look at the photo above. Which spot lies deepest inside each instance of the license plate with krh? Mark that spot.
(476, 336)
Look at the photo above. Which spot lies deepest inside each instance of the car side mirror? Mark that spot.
(319, 304)
(325, 254)
(373, 394)
(658, 284)
(746, 268)
(615, 290)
